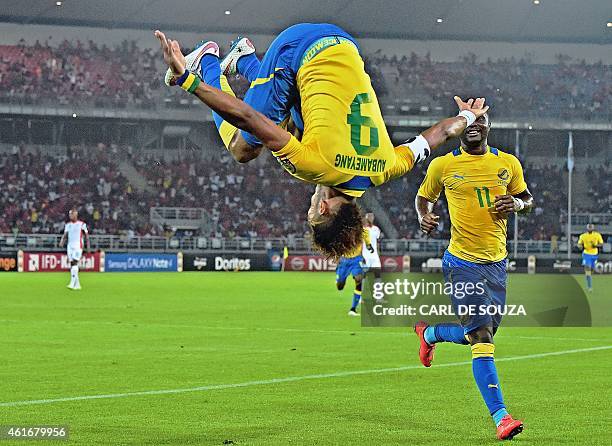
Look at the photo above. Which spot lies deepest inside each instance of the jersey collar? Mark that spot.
(489, 150)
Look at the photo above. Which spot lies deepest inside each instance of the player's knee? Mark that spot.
(241, 151)
(73, 262)
(358, 280)
(481, 335)
(244, 157)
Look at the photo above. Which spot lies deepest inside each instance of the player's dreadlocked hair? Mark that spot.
(341, 234)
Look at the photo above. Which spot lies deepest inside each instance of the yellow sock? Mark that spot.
(226, 130)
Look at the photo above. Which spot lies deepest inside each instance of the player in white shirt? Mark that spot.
(372, 259)
(75, 230)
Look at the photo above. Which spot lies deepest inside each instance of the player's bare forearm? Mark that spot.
(428, 221)
(439, 133)
(62, 240)
(423, 206)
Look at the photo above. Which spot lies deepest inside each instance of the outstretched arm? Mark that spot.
(448, 128)
(417, 149)
(233, 110)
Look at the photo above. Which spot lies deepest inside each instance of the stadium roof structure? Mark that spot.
(489, 20)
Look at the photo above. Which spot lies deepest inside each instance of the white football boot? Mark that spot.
(240, 47)
(192, 60)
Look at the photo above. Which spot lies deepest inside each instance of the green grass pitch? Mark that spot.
(126, 333)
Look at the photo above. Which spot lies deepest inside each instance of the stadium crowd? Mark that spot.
(121, 76)
(515, 87)
(38, 189)
(600, 184)
(76, 72)
(231, 193)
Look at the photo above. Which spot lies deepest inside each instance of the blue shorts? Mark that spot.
(474, 286)
(274, 93)
(351, 266)
(589, 260)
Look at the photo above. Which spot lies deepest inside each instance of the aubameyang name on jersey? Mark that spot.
(360, 163)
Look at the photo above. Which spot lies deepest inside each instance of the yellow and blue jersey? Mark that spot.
(352, 263)
(590, 241)
(345, 143)
(470, 183)
(314, 73)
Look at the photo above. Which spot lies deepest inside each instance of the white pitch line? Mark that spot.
(549, 338)
(286, 380)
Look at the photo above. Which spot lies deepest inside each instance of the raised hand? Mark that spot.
(172, 53)
(504, 204)
(476, 106)
(429, 222)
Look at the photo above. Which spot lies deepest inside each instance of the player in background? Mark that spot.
(311, 81)
(372, 259)
(353, 264)
(482, 185)
(590, 242)
(74, 231)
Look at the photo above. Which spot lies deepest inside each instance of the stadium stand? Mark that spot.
(77, 72)
(229, 191)
(37, 188)
(566, 89)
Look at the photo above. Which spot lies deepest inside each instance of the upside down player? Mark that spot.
(74, 231)
(482, 186)
(353, 264)
(313, 76)
(590, 242)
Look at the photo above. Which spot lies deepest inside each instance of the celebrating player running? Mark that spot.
(312, 80)
(482, 186)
